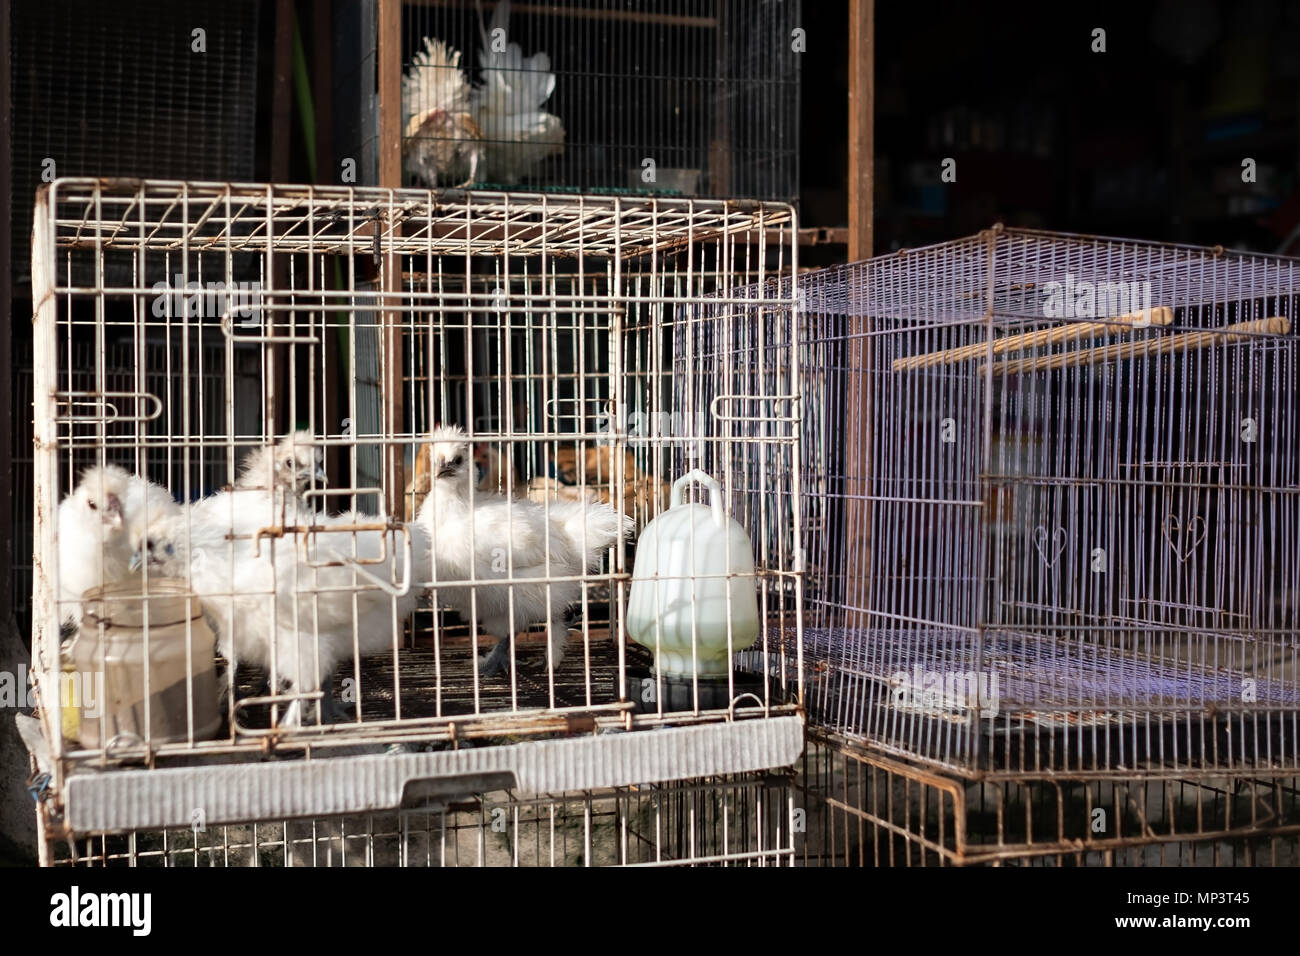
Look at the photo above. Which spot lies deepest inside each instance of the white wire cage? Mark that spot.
(738, 820)
(591, 351)
(1053, 498)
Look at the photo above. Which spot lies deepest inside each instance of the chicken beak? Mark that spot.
(320, 474)
(137, 559)
(113, 512)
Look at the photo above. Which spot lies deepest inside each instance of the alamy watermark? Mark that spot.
(1082, 299)
(639, 426)
(80, 689)
(946, 690)
(241, 301)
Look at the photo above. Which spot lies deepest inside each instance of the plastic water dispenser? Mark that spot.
(694, 601)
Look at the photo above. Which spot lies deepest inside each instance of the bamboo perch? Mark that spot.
(1144, 348)
(1160, 315)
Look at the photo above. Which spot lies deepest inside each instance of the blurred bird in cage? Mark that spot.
(497, 131)
(642, 495)
(485, 536)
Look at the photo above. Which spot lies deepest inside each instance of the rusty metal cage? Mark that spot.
(859, 807)
(1053, 498)
(591, 351)
(739, 820)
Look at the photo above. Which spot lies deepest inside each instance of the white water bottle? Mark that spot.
(694, 600)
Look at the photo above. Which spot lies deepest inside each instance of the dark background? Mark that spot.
(1145, 140)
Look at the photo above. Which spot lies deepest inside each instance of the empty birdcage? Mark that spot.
(1059, 498)
(864, 808)
(391, 492)
(685, 97)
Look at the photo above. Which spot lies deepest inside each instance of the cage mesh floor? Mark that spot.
(442, 684)
(1046, 680)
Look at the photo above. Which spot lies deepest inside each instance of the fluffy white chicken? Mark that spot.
(213, 545)
(347, 596)
(291, 464)
(292, 592)
(94, 525)
(486, 537)
(517, 133)
(441, 141)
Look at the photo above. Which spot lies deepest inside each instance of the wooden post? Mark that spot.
(857, 439)
(8, 546)
(327, 173)
(389, 52)
(862, 146)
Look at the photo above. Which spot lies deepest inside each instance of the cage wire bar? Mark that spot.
(1052, 497)
(736, 820)
(669, 97)
(861, 807)
(554, 330)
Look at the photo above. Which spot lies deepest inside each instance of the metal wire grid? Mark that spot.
(116, 90)
(707, 91)
(865, 809)
(1071, 550)
(601, 283)
(740, 820)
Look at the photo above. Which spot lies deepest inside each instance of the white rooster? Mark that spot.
(453, 133)
(94, 525)
(492, 538)
(517, 133)
(441, 141)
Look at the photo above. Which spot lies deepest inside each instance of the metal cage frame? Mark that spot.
(379, 281)
(1053, 495)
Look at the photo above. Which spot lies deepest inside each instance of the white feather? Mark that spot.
(487, 538)
(347, 594)
(94, 529)
(440, 139)
(517, 133)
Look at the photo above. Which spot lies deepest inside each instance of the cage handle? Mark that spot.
(70, 397)
(731, 417)
(358, 566)
(708, 481)
(228, 331)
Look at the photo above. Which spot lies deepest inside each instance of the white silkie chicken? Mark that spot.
(516, 132)
(94, 524)
(214, 545)
(346, 597)
(293, 592)
(291, 464)
(491, 538)
(218, 547)
(441, 141)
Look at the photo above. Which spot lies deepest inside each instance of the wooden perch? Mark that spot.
(1144, 348)
(1160, 315)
